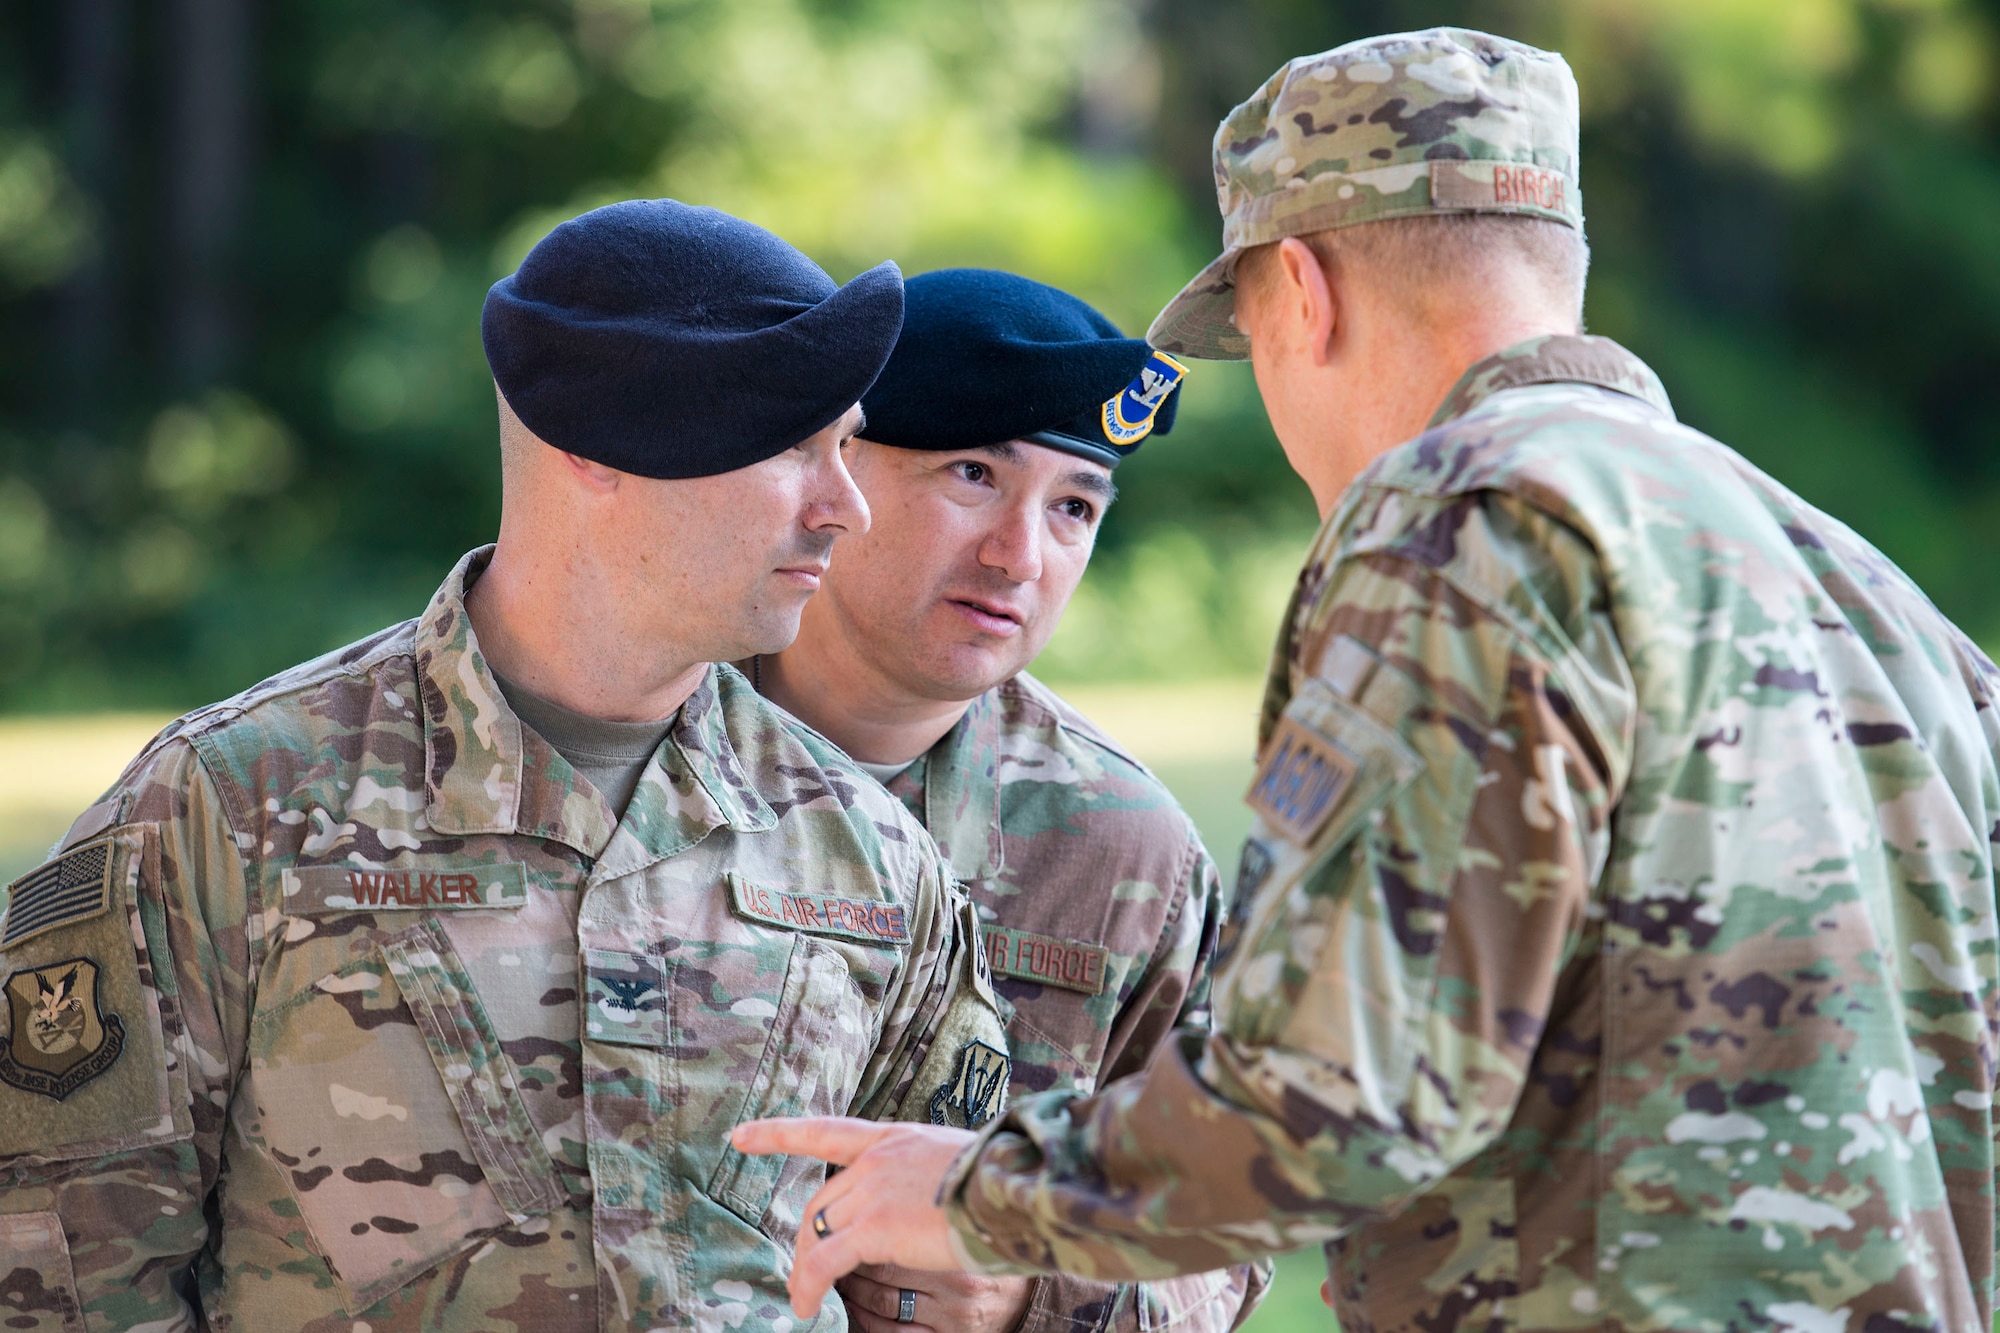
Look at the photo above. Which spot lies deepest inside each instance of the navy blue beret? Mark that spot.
(673, 341)
(987, 357)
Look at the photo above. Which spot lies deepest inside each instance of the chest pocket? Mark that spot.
(705, 1035)
(817, 1042)
(383, 1094)
(1058, 996)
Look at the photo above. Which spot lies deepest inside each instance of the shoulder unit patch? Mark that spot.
(76, 886)
(978, 1087)
(62, 1038)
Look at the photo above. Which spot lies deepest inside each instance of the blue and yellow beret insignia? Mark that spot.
(986, 358)
(1128, 416)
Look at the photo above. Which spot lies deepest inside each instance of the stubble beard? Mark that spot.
(960, 663)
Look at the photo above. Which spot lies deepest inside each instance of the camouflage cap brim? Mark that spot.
(1201, 321)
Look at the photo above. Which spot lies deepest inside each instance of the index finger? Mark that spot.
(836, 1139)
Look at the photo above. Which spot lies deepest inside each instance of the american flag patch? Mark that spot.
(74, 887)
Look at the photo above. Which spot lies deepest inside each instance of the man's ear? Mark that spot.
(1309, 294)
(593, 475)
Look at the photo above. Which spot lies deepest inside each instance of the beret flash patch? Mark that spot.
(1128, 416)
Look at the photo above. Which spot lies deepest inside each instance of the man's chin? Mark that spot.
(769, 631)
(964, 672)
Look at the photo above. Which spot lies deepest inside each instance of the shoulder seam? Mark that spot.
(1088, 732)
(231, 811)
(264, 691)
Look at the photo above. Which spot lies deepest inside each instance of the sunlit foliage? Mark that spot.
(1791, 203)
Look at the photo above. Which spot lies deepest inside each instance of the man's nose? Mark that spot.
(837, 505)
(1014, 545)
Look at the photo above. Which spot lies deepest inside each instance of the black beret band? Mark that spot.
(987, 357)
(667, 340)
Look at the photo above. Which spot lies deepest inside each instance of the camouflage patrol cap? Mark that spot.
(1442, 121)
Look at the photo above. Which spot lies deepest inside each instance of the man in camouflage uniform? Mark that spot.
(1618, 945)
(1098, 904)
(356, 1004)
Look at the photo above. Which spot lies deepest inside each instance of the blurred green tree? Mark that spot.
(244, 415)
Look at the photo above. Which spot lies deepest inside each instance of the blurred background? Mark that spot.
(244, 415)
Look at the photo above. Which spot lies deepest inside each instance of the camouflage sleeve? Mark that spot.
(1433, 813)
(942, 1057)
(115, 1079)
(1173, 993)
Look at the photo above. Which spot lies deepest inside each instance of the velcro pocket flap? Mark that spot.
(477, 1075)
(37, 1284)
(84, 1064)
(1290, 913)
(807, 1068)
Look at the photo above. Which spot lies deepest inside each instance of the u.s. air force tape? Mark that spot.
(1070, 964)
(867, 919)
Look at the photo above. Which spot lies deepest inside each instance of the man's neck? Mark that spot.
(838, 695)
(556, 626)
(1391, 399)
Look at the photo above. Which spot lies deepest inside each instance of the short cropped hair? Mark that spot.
(518, 445)
(1435, 255)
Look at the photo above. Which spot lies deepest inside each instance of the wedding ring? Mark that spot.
(820, 1228)
(906, 1306)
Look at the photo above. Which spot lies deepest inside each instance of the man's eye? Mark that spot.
(1079, 510)
(972, 471)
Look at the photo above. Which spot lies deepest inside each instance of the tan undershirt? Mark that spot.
(611, 755)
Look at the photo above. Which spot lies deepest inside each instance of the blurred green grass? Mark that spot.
(1197, 736)
(1294, 1305)
(51, 768)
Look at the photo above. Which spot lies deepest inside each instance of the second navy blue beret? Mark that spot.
(668, 340)
(986, 357)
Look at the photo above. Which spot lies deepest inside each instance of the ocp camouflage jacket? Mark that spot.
(352, 1006)
(1099, 908)
(1619, 922)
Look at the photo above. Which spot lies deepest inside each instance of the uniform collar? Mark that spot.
(697, 780)
(485, 774)
(962, 792)
(1554, 359)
